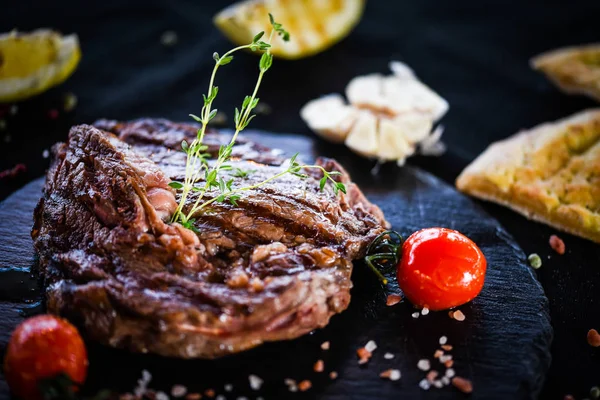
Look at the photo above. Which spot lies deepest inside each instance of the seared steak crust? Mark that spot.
(274, 267)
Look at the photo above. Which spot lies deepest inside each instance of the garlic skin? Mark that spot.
(388, 118)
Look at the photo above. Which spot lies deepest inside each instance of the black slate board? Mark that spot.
(503, 345)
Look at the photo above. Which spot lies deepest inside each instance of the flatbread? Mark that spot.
(575, 70)
(550, 173)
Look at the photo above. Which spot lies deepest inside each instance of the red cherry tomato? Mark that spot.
(43, 347)
(440, 268)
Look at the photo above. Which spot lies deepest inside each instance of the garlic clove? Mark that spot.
(363, 138)
(329, 116)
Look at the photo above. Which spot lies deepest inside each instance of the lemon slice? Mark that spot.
(314, 25)
(33, 62)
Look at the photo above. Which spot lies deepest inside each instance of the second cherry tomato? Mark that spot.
(440, 269)
(43, 347)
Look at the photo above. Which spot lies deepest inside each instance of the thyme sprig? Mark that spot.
(384, 252)
(197, 165)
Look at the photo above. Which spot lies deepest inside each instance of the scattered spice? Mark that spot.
(534, 260)
(325, 345)
(255, 382)
(593, 338)
(458, 315)
(178, 391)
(262, 108)
(219, 119)
(569, 397)
(209, 393)
(424, 365)
(391, 374)
(304, 385)
(169, 38)
(53, 113)
(127, 396)
(431, 375)
(70, 102)
(388, 356)
(13, 172)
(319, 366)
(363, 355)
(438, 353)
(393, 299)
(449, 363)
(462, 384)
(447, 347)
(557, 244)
(291, 384)
(193, 396)
(333, 375)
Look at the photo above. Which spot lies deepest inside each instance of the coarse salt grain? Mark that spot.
(371, 346)
(462, 384)
(424, 384)
(595, 392)
(161, 396)
(242, 398)
(319, 366)
(13, 109)
(445, 358)
(255, 382)
(438, 384)
(391, 374)
(45, 153)
(415, 315)
(291, 384)
(178, 391)
(445, 380)
(458, 315)
(450, 373)
(228, 387)
(443, 340)
(220, 397)
(325, 345)
(388, 356)
(425, 311)
(424, 365)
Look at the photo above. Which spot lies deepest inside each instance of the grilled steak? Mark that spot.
(275, 266)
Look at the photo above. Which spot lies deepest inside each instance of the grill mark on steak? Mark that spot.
(274, 267)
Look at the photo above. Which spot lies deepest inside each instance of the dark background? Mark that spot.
(474, 53)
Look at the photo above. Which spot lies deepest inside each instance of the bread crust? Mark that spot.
(575, 70)
(550, 174)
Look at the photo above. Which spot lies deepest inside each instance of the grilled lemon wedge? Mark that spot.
(314, 25)
(32, 62)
